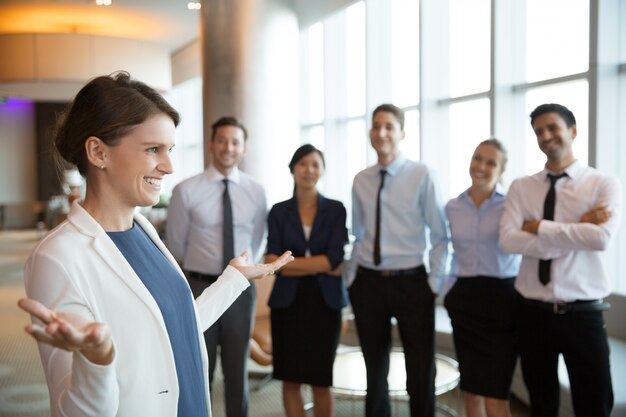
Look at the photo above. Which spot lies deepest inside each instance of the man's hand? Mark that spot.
(596, 215)
(254, 271)
(69, 331)
(531, 226)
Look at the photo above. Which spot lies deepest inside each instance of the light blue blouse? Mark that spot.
(475, 233)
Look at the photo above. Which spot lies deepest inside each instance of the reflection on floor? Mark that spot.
(23, 392)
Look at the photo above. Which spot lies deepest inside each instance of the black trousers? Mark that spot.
(408, 298)
(581, 337)
(232, 333)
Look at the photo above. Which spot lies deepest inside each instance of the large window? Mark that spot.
(464, 71)
(469, 125)
(404, 64)
(557, 38)
(333, 99)
(188, 153)
(470, 46)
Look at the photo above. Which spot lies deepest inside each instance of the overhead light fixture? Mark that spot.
(103, 2)
(192, 5)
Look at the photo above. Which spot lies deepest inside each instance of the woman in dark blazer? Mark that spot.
(309, 293)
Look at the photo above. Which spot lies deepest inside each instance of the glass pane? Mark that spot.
(470, 46)
(316, 73)
(617, 272)
(557, 38)
(405, 52)
(573, 95)
(355, 59)
(188, 155)
(316, 137)
(358, 141)
(469, 125)
(410, 145)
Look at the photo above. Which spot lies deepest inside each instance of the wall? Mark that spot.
(53, 67)
(186, 63)
(17, 155)
(17, 161)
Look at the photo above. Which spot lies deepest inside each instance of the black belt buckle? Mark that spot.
(560, 308)
(391, 273)
(201, 277)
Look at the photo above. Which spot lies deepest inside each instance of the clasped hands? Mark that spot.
(595, 215)
(75, 333)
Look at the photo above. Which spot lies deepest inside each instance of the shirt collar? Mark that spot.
(215, 176)
(394, 167)
(572, 170)
(499, 191)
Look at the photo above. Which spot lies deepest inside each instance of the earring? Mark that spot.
(101, 166)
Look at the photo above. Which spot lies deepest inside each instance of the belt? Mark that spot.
(564, 308)
(201, 277)
(388, 273)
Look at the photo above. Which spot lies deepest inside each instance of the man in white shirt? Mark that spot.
(560, 220)
(212, 217)
(394, 207)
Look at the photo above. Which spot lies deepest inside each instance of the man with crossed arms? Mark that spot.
(560, 220)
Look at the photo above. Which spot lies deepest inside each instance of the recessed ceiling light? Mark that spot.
(194, 5)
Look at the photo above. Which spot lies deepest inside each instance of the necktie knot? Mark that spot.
(555, 178)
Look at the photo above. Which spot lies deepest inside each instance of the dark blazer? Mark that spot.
(328, 237)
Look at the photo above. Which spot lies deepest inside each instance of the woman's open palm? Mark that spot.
(69, 331)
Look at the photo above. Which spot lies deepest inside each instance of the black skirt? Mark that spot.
(305, 336)
(483, 314)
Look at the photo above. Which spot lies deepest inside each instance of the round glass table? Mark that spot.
(349, 378)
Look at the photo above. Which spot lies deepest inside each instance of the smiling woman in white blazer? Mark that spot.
(103, 340)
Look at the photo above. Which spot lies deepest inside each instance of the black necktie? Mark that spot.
(377, 235)
(227, 232)
(548, 214)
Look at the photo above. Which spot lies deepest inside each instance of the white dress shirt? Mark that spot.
(195, 216)
(409, 208)
(577, 272)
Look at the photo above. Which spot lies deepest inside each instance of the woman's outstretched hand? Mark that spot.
(69, 331)
(254, 271)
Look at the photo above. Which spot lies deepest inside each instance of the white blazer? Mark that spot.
(78, 268)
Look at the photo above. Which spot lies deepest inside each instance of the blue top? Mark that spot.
(475, 233)
(410, 210)
(328, 237)
(173, 296)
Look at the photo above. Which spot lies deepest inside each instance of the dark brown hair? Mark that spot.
(108, 107)
(228, 121)
(563, 111)
(390, 108)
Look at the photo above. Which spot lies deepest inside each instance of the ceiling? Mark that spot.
(166, 22)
